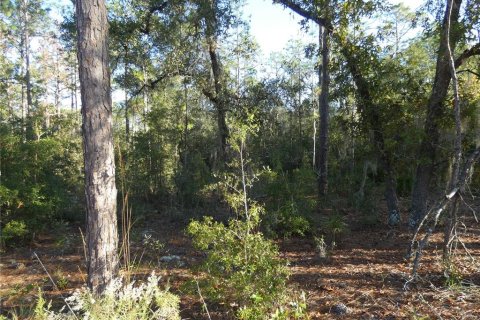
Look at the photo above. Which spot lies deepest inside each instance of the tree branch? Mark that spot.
(210, 95)
(153, 83)
(295, 7)
(440, 207)
(473, 51)
(469, 71)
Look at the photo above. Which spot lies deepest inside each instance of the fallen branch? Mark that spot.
(54, 284)
(440, 207)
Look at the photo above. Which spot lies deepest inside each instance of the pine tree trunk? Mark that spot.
(25, 66)
(100, 189)
(323, 111)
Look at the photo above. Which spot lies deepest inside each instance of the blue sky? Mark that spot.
(272, 25)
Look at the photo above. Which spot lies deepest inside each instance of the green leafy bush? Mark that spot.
(242, 268)
(334, 226)
(119, 302)
(14, 230)
(289, 209)
(287, 221)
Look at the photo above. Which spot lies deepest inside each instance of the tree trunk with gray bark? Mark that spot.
(100, 189)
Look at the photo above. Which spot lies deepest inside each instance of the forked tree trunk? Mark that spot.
(100, 189)
(429, 145)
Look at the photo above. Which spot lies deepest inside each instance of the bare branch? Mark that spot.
(441, 205)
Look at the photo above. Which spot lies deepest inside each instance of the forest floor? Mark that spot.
(366, 272)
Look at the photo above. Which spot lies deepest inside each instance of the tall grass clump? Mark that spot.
(119, 302)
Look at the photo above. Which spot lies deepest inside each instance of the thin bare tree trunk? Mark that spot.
(23, 54)
(127, 105)
(27, 59)
(100, 189)
(451, 225)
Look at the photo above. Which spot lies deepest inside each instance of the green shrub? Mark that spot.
(287, 222)
(14, 230)
(334, 226)
(119, 302)
(288, 202)
(242, 268)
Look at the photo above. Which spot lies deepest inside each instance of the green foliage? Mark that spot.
(297, 309)
(14, 231)
(61, 279)
(289, 205)
(119, 302)
(288, 221)
(41, 179)
(41, 310)
(453, 277)
(334, 225)
(241, 268)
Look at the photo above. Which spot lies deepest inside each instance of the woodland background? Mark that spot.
(204, 126)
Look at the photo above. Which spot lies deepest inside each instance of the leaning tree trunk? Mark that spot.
(324, 78)
(429, 145)
(100, 189)
(218, 97)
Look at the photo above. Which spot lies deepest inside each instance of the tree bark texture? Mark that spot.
(100, 189)
(218, 98)
(435, 111)
(324, 78)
